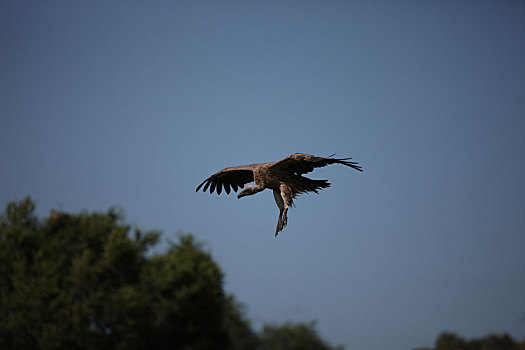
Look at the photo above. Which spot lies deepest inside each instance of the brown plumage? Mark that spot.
(284, 177)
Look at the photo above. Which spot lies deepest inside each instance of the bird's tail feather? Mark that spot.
(309, 185)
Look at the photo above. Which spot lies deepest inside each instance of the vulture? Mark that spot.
(284, 177)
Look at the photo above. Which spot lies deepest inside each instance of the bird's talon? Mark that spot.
(280, 226)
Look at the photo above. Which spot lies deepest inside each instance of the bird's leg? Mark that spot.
(280, 203)
(279, 223)
(287, 195)
(285, 217)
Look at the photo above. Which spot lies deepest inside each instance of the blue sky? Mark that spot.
(134, 103)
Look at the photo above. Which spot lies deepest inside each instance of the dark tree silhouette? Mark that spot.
(452, 341)
(87, 282)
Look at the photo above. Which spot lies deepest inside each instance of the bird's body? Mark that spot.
(283, 177)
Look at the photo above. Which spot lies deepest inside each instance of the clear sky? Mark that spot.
(134, 103)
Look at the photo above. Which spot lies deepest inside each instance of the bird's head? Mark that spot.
(249, 190)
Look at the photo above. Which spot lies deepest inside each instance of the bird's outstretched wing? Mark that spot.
(302, 163)
(235, 177)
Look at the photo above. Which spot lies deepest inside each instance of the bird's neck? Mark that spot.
(257, 188)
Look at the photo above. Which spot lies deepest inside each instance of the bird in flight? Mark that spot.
(284, 177)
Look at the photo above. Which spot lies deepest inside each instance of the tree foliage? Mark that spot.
(289, 336)
(452, 341)
(87, 282)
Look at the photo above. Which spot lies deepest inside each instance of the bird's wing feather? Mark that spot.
(229, 178)
(302, 163)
